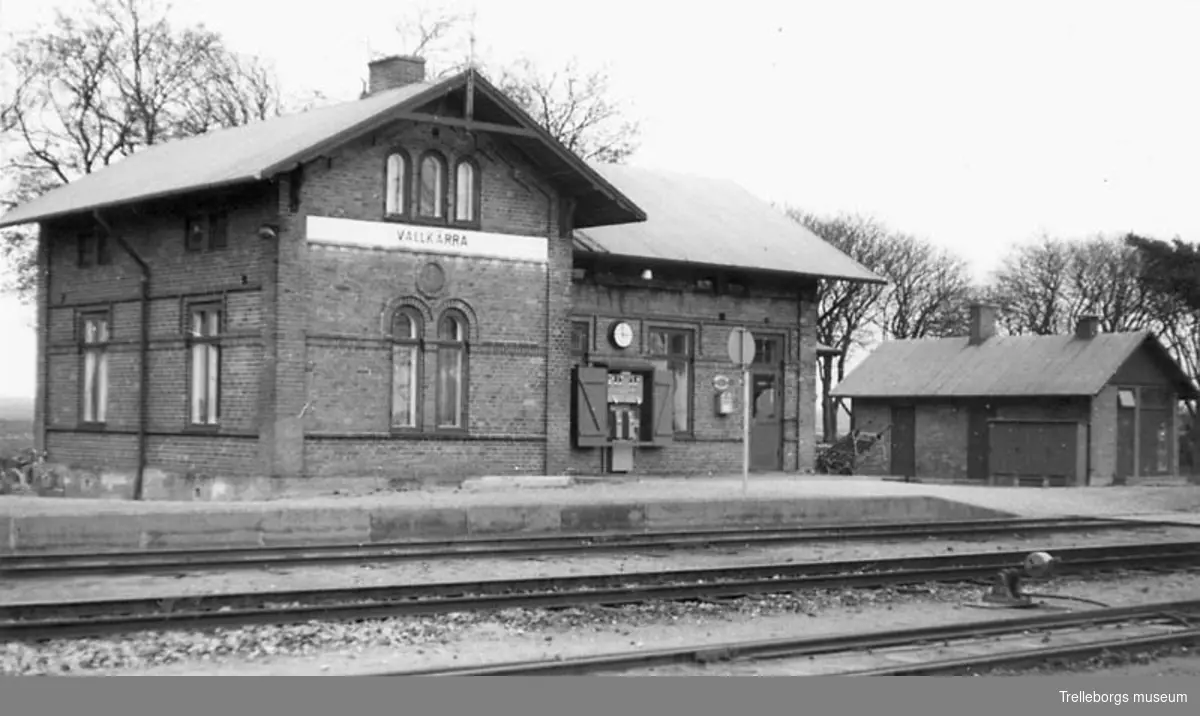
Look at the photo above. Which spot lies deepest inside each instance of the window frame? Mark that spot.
(213, 233)
(214, 343)
(780, 340)
(441, 346)
(1133, 398)
(406, 184)
(416, 344)
(669, 358)
(99, 348)
(475, 193)
(443, 188)
(93, 247)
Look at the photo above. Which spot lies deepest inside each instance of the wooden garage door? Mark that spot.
(1033, 452)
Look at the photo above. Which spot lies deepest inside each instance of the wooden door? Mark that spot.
(977, 442)
(904, 441)
(1126, 433)
(766, 422)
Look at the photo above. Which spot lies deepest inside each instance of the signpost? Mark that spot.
(741, 352)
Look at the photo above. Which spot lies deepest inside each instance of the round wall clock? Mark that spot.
(622, 334)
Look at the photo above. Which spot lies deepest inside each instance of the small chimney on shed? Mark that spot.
(396, 71)
(983, 322)
(1088, 327)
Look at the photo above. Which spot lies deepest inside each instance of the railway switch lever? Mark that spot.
(1007, 589)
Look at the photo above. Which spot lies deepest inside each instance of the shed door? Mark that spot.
(904, 441)
(977, 442)
(1035, 450)
(1126, 430)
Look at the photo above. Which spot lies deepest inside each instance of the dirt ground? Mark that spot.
(460, 570)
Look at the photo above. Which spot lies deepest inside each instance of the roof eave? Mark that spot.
(6, 222)
(566, 155)
(609, 255)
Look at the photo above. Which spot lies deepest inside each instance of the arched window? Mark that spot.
(397, 179)
(466, 189)
(451, 370)
(432, 197)
(406, 368)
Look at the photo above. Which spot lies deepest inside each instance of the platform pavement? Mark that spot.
(480, 508)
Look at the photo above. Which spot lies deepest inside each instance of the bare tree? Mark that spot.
(927, 289)
(1031, 287)
(438, 34)
(845, 309)
(99, 85)
(575, 105)
(1103, 280)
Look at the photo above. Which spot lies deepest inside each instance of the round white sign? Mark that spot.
(721, 382)
(741, 346)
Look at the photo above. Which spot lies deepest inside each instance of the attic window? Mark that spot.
(1126, 399)
(206, 231)
(431, 191)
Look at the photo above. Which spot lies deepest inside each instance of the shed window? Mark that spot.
(1126, 399)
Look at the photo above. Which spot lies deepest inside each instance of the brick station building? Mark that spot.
(416, 286)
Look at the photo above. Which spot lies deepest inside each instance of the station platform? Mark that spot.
(498, 506)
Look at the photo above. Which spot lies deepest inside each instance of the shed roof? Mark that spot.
(260, 150)
(1060, 365)
(713, 222)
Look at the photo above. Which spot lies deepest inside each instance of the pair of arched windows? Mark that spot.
(432, 184)
(449, 350)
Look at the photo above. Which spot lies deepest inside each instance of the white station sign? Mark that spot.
(432, 239)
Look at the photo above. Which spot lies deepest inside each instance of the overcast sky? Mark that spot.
(971, 124)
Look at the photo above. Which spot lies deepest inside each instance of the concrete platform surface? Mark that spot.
(51, 524)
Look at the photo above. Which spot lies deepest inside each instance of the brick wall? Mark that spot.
(714, 443)
(941, 444)
(349, 296)
(942, 430)
(231, 276)
(874, 416)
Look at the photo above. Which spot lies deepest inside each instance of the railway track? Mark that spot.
(47, 620)
(972, 647)
(31, 566)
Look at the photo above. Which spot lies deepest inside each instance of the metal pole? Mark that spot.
(746, 431)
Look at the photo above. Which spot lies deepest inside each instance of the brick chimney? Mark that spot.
(983, 323)
(1088, 327)
(396, 71)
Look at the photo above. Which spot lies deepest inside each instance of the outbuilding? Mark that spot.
(420, 285)
(1084, 409)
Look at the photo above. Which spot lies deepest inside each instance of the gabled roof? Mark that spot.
(260, 150)
(1001, 366)
(713, 222)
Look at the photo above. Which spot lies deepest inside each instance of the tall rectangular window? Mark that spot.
(95, 335)
(451, 370)
(406, 345)
(581, 337)
(672, 349)
(205, 389)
